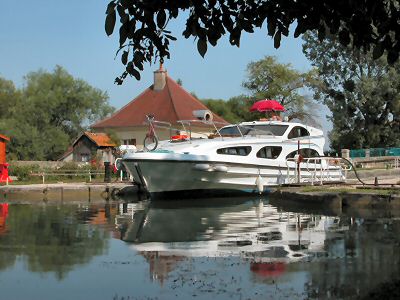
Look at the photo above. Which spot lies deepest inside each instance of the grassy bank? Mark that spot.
(347, 190)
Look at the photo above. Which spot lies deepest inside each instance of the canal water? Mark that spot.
(240, 248)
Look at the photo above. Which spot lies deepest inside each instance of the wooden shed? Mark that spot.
(89, 146)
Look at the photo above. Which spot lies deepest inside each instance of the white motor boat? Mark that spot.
(248, 157)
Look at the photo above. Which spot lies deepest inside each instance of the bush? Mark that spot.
(23, 172)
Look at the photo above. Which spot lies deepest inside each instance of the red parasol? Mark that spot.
(267, 105)
(268, 269)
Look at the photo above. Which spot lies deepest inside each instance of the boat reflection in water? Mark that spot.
(250, 229)
(222, 248)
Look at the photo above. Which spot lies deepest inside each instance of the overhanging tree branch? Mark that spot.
(367, 24)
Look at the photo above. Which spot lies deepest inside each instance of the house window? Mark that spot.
(85, 157)
(298, 132)
(269, 152)
(129, 142)
(241, 151)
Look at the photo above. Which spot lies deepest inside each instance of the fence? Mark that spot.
(70, 173)
(374, 152)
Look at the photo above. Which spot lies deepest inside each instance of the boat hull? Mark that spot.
(161, 176)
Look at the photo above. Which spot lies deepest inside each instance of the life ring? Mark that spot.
(334, 162)
(180, 137)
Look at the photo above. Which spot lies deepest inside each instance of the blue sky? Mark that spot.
(43, 33)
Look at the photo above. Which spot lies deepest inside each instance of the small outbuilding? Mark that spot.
(89, 147)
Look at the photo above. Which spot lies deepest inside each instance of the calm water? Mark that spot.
(214, 249)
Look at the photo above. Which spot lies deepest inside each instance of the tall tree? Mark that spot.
(143, 34)
(234, 110)
(53, 108)
(363, 94)
(269, 79)
(9, 96)
(47, 242)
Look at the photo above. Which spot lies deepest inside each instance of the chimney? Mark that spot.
(160, 77)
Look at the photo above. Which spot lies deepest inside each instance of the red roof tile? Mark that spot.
(3, 137)
(100, 139)
(171, 104)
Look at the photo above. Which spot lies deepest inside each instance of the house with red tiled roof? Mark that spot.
(167, 101)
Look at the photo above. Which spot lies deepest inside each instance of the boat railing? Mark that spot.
(189, 123)
(316, 169)
(158, 124)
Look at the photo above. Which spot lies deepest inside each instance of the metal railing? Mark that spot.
(316, 169)
(73, 173)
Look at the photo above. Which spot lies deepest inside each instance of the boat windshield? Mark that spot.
(264, 129)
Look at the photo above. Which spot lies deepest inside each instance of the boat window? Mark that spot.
(270, 152)
(298, 131)
(267, 129)
(242, 150)
(264, 129)
(305, 152)
(233, 131)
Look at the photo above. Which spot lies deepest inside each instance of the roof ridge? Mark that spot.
(122, 108)
(191, 96)
(4, 137)
(170, 96)
(171, 104)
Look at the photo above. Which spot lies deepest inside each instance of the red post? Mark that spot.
(3, 164)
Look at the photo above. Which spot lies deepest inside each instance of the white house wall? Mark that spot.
(139, 133)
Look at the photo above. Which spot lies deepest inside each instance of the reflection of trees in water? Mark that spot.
(369, 255)
(7, 259)
(50, 239)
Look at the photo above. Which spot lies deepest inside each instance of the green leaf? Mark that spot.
(122, 14)
(138, 65)
(171, 37)
(202, 46)
(161, 18)
(321, 33)
(110, 23)
(136, 74)
(131, 70)
(344, 37)
(123, 33)
(392, 57)
(378, 51)
(124, 57)
(299, 29)
(272, 27)
(110, 7)
(277, 39)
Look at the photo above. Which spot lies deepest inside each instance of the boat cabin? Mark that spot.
(285, 130)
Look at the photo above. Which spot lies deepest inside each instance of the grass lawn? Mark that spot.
(347, 190)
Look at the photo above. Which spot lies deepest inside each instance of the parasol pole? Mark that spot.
(298, 161)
